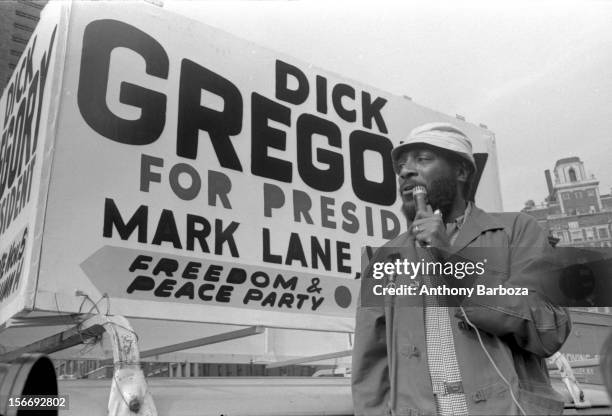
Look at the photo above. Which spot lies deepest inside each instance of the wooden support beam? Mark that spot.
(55, 320)
(310, 359)
(91, 328)
(200, 342)
(588, 363)
(591, 319)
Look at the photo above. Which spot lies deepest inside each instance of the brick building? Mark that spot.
(574, 212)
(18, 18)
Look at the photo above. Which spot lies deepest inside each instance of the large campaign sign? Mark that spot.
(27, 117)
(199, 177)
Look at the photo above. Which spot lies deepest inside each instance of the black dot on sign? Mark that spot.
(343, 297)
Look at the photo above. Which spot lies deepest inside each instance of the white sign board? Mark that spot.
(199, 177)
(27, 120)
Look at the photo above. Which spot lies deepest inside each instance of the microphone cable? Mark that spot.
(420, 193)
(499, 373)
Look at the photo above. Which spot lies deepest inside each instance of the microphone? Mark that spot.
(419, 194)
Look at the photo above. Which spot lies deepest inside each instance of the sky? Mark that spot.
(538, 74)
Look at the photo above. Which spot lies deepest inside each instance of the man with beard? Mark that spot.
(484, 355)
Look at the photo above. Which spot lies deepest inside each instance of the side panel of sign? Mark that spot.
(200, 177)
(27, 118)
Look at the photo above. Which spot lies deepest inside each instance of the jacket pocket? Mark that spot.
(491, 400)
(496, 399)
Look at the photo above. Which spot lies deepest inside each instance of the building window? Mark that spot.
(592, 209)
(572, 224)
(572, 175)
(590, 192)
(566, 195)
(603, 233)
(23, 27)
(589, 234)
(26, 15)
(576, 235)
(33, 4)
(578, 194)
(18, 39)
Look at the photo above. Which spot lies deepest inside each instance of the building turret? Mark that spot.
(575, 191)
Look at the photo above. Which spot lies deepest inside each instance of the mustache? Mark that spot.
(408, 185)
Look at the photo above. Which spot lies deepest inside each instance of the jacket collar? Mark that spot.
(477, 222)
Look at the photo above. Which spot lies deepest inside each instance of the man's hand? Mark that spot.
(429, 230)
